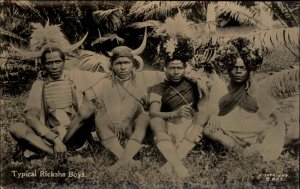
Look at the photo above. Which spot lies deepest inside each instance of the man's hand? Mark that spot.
(184, 111)
(59, 148)
(213, 123)
(202, 88)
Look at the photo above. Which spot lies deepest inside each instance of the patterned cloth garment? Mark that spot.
(58, 94)
(59, 100)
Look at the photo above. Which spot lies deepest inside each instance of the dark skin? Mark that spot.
(34, 132)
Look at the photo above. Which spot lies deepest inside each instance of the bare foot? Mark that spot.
(166, 169)
(121, 163)
(181, 171)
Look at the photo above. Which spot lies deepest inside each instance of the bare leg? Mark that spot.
(166, 147)
(189, 141)
(24, 134)
(135, 140)
(85, 112)
(292, 134)
(108, 137)
(195, 132)
(220, 137)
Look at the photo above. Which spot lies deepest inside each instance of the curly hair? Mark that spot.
(242, 48)
(179, 48)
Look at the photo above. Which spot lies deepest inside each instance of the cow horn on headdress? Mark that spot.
(46, 36)
(139, 50)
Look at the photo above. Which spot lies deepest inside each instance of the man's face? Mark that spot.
(175, 70)
(123, 67)
(54, 65)
(239, 72)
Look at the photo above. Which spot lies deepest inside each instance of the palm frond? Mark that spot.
(112, 19)
(16, 70)
(283, 84)
(285, 39)
(108, 37)
(282, 38)
(157, 9)
(239, 13)
(148, 23)
(285, 13)
(91, 61)
(24, 4)
(11, 34)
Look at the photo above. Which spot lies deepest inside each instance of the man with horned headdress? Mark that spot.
(122, 103)
(54, 104)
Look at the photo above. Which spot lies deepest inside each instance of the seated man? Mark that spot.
(54, 107)
(241, 110)
(175, 118)
(121, 103)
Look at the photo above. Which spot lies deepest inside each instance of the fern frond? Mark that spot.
(283, 84)
(239, 13)
(91, 61)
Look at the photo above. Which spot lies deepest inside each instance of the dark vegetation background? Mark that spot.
(209, 165)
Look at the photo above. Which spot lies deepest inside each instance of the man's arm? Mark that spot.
(155, 111)
(86, 110)
(183, 111)
(32, 119)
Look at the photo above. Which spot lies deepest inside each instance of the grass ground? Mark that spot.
(209, 165)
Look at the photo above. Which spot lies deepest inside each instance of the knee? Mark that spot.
(142, 121)
(201, 118)
(157, 125)
(86, 110)
(207, 132)
(102, 124)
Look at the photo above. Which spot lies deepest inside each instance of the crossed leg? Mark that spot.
(111, 142)
(192, 136)
(134, 143)
(166, 146)
(26, 137)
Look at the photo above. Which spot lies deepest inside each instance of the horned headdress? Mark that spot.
(46, 36)
(92, 61)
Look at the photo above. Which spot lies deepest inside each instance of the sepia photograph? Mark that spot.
(149, 94)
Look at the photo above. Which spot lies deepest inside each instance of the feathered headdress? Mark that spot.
(176, 48)
(176, 40)
(47, 36)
